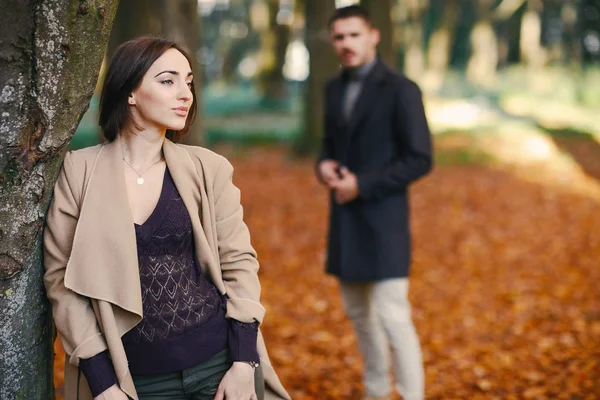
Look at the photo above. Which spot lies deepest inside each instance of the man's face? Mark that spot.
(354, 41)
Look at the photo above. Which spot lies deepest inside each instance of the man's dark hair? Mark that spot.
(129, 64)
(349, 12)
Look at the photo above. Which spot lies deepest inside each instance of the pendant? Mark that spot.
(140, 181)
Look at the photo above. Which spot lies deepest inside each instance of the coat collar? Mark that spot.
(103, 264)
(367, 97)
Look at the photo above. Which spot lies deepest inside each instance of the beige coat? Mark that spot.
(90, 253)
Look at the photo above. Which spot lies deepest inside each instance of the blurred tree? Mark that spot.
(411, 14)
(532, 52)
(381, 14)
(322, 67)
(552, 29)
(177, 21)
(440, 41)
(236, 44)
(481, 68)
(571, 13)
(274, 43)
(50, 56)
(508, 18)
(590, 26)
(135, 18)
(461, 48)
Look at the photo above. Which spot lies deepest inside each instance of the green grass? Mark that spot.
(461, 157)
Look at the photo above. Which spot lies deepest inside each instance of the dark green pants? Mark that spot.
(197, 383)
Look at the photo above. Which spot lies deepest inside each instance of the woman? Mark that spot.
(149, 268)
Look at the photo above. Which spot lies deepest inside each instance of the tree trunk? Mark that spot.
(440, 43)
(183, 25)
(381, 15)
(482, 65)
(274, 44)
(50, 56)
(572, 35)
(530, 45)
(412, 37)
(136, 18)
(510, 16)
(322, 66)
(177, 21)
(552, 30)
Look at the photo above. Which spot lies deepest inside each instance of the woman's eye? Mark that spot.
(190, 84)
(167, 82)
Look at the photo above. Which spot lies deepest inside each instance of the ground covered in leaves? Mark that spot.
(504, 283)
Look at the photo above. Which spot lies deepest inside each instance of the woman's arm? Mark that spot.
(239, 265)
(239, 268)
(242, 341)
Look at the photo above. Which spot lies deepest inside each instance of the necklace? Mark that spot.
(140, 180)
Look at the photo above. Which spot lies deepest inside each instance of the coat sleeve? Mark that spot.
(327, 142)
(73, 314)
(239, 265)
(413, 139)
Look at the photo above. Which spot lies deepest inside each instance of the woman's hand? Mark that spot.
(112, 393)
(238, 383)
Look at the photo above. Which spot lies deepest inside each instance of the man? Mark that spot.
(376, 143)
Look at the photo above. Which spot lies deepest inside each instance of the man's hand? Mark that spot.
(238, 383)
(328, 171)
(112, 393)
(346, 188)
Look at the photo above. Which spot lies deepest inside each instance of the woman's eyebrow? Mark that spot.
(172, 72)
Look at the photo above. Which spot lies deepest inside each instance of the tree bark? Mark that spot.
(50, 56)
(322, 66)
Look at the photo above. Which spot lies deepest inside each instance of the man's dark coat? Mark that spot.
(386, 142)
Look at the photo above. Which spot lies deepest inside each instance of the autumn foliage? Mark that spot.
(504, 284)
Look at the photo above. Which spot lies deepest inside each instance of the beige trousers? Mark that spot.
(380, 313)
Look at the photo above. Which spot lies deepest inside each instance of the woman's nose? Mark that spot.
(185, 93)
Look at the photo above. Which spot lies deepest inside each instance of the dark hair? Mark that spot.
(349, 12)
(128, 66)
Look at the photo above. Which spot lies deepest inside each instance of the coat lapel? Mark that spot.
(103, 264)
(336, 103)
(367, 97)
(191, 187)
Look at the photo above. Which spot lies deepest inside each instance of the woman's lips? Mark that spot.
(181, 111)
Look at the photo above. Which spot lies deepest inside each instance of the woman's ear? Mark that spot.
(131, 100)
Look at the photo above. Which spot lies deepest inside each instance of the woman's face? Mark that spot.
(164, 97)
